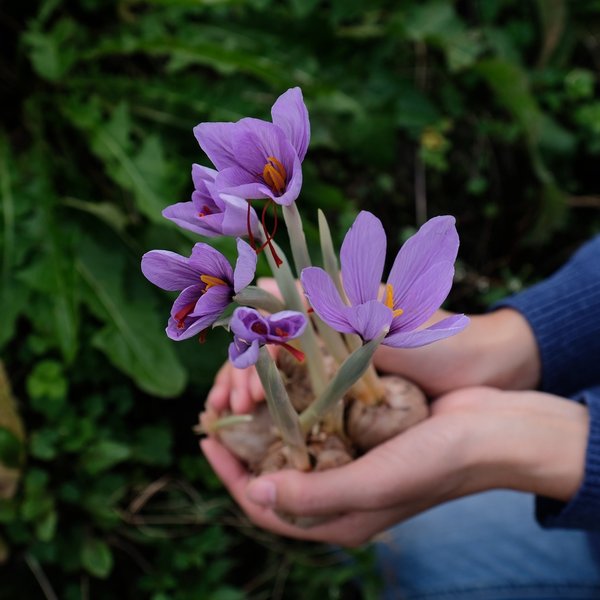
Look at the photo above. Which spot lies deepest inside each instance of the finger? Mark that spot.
(422, 462)
(257, 392)
(240, 400)
(350, 529)
(255, 386)
(363, 484)
(218, 397)
(269, 285)
(236, 478)
(230, 470)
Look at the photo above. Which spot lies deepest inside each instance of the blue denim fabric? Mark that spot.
(487, 547)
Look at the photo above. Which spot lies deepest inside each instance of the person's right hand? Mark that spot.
(496, 349)
(476, 439)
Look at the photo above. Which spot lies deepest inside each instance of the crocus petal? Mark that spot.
(369, 319)
(286, 325)
(258, 140)
(436, 241)
(248, 323)
(243, 355)
(201, 175)
(168, 270)
(440, 330)
(216, 139)
(209, 307)
(212, 302)
(195, 328)
(362, 258)
(208, 261)
(190, 295)
(235, 216)
(325, 299)
(239, 182)
(290, 114)
(245, 266)
(186, 216)
(426, 294)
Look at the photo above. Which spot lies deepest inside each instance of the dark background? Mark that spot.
(487, 110)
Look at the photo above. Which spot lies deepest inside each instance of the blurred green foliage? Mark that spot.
(486, 110)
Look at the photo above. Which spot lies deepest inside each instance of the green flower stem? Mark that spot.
(374, 392)
(333, 341)
(285, 417)
(368, 389)
(293, 222)
(348, 374)
(228, 421)
(293, 301)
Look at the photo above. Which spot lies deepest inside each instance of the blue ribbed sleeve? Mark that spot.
(564, 313)
(583, 510)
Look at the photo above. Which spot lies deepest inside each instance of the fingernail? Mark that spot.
(262, 492)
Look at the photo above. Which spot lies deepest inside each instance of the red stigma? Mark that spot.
(181, 315)
(259, 328)
(297, 354)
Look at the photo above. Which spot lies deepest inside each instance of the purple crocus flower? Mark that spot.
(260, 159)
(212, 214)
(206, 280)
(252, 330)
(418, 283)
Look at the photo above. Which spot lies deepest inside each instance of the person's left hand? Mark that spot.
(476, 439)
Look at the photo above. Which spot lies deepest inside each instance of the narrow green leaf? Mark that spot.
(330, 261)
(351, 370)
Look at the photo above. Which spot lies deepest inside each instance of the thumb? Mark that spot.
(357, 486)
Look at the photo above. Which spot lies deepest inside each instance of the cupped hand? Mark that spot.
(239, 390)
(476, 439)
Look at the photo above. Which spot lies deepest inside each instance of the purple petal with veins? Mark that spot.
(242, 354)
(436, 241)
(168, 270)
(289, 113)
(427, 293)
(245, 266)
(209, 261)
(286, 325)
(438, 331)
(362, 258)
(216, 140)
(324, 298)
(369, 319)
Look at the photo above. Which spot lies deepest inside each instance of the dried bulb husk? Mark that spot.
(249, 441)
(326, 451)
(404, 405)
(297, 381)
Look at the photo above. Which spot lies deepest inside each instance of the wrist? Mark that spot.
(532, 442)
(509, 355)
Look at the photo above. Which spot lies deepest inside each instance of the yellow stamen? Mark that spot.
(211, 281)
(389, 300)
(275, 175)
